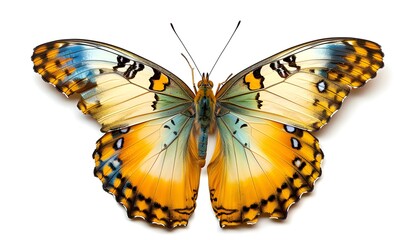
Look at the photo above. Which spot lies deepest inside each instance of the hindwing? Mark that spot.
(260, 167)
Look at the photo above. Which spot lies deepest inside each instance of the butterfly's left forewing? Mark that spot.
(117, 87)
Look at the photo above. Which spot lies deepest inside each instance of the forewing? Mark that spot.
(117, 87)
(305, 85)
(260, 167)
(152, 169)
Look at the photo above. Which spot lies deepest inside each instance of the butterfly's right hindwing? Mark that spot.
(260, 167)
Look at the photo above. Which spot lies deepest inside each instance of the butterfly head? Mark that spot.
(205, 82)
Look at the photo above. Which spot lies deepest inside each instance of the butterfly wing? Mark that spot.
(117, 87)
(305, 85)
(147, 159)
(265, 157)
(260, 166)
(151, 169)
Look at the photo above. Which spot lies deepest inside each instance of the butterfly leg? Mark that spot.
(222, 83)
(193, 73)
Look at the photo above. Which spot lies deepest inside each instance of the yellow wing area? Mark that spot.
(117, 87)
(305, 85)
(260, 167)
(152, 169)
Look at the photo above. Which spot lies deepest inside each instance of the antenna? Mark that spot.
(225, 47)
(171, 24)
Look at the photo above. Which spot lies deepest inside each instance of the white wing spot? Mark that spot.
(321, 86)
(289, 129)
(119, 143)
(297, 162)
(295, 143)
(116, 163)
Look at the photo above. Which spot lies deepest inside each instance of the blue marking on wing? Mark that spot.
(86, 60)
(114, 163)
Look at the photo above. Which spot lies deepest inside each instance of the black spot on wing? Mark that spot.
(281, 68)
(121, 62)
(291, 61)
(259, 102)
(133, 70)
(154, 105)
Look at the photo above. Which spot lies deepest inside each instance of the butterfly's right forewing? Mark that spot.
(304, 85)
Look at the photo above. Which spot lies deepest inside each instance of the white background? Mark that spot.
(48, 190)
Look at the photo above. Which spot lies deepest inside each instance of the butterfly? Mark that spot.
(156, 127)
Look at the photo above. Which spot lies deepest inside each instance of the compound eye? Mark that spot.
(211, 83)
(199, 84)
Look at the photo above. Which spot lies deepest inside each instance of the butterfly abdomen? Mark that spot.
(202, 143)
(205, 116)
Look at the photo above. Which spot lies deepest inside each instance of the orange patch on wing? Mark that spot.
(51, 67)
(377, 56)
(37, 61)
(361, 51)
(41, 49)
(52, 53)
(160, 84)
(371, 45)
(253, 82)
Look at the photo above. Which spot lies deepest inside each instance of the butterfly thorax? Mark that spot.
(205, 103)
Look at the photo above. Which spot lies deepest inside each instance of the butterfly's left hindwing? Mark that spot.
(152, 169)
(117, 87)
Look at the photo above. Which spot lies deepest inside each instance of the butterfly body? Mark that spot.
(156, 128)
(205, 104)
